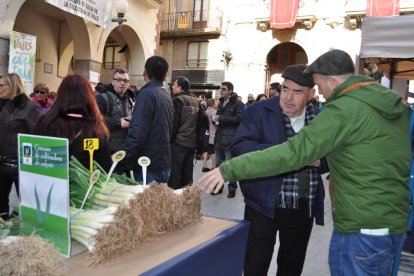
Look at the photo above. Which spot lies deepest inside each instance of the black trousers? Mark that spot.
(181, 167)
(8, 176)
(294, 226)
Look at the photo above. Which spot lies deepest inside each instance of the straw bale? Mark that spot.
(157, 210)
(30, 256)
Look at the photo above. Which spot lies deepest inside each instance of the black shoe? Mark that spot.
(219, 192)
(231, 194)
(204, 169)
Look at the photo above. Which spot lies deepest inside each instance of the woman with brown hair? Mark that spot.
(76, 116)
(17, 115)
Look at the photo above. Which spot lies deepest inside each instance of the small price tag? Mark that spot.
(116, 157)
(92, 180)
(144, 162)
(91, 144)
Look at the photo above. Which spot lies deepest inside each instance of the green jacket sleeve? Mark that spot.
(323, 135)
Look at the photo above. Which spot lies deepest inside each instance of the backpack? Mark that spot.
(109, 102)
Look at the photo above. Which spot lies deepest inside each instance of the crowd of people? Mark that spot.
(276, 146)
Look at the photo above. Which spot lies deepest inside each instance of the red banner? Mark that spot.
(283, 13)
(383, 7)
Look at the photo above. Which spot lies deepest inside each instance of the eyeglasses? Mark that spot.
(223, 88)
(2, 85)
(249, 97)
(121, 80)
(40, 91)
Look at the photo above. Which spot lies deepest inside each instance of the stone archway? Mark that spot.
(281, 56)
(129, 45)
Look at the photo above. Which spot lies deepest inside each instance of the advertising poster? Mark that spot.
(44, 189)
(22, 57)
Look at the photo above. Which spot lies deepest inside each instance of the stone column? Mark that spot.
(87, 68)
(4, 55)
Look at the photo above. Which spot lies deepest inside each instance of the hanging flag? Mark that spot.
(383, 7)
(283, 13)
(183, 20)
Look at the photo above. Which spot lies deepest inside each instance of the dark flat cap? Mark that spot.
(295, 73)
(334, 62)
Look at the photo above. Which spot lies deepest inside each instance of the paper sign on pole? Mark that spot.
(44, 188)
(22, 58)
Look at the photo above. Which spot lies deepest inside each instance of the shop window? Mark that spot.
(197, 54)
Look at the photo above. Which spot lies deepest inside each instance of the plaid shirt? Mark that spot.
(289, 195)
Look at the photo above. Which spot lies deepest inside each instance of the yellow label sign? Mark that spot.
(91, 144)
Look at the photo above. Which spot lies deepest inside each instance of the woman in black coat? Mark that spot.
(76, 116)
(18, 114)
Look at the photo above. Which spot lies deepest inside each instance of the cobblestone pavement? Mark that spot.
(317, 254)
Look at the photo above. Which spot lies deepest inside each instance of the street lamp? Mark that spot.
(121, 7)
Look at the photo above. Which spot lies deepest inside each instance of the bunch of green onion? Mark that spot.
(104, 193)
(102, 203)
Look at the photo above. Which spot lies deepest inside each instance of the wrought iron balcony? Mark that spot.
(191, 23)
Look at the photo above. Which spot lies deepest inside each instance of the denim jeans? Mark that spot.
(223, 154)
(160, 177)
(361, 254)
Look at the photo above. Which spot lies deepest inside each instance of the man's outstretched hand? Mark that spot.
(211, 181)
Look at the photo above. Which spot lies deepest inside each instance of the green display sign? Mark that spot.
(44, 188)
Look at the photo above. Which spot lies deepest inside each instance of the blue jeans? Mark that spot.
(160, 177)
(223, 154)
(361, 254)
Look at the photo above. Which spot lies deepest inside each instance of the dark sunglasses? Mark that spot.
(40, 91)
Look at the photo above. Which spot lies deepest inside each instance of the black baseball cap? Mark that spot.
(334, 62)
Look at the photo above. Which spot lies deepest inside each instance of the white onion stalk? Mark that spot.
(114, 194)
(86, 223)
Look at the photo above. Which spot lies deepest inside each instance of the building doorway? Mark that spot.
(281, 56)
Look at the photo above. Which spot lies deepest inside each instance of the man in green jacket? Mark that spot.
(364, 134)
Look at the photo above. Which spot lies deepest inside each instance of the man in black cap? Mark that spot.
(287, 203)
(364, 134)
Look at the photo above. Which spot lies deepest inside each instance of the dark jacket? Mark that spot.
(150, 129)
(263, 126)
(185, 120)
(115, 107)
(102, 156)
(18, 115)
(229, 119)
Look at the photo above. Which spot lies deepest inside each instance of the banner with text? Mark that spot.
(22, 57)
(96, 11)
(44, 188)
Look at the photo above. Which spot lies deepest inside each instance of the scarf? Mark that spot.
(289, 195)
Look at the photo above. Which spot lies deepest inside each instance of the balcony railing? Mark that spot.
(191, 23)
